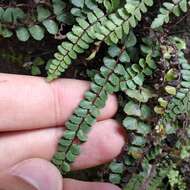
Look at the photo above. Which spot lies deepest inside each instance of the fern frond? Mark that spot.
(181, 101)
(168, 8)
(138, 72)
(120, 23)
(109, 29)
(79, 39)
(136, 113)
(85, 115)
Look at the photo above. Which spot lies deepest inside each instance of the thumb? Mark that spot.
(32, 174)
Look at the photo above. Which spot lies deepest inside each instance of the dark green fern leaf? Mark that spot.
(169, 8)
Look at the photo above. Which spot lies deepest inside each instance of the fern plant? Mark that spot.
(132, 46)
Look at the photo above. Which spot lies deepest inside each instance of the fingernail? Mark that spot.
(34, 177)
(30, 177)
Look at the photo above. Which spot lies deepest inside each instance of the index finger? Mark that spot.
(30, 102)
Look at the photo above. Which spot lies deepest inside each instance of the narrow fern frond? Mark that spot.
(120, 23)
(79, 39)
(168, 8)
(181, 101)
(134, 77)
(109, 29)
(169, 74)
(137, 114)
(85, 115)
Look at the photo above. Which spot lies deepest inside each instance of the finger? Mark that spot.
(33, 174)
(105, 142)
(30, 102)
(70, 184)
(42, 175)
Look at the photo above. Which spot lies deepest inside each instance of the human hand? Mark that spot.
(33, 113)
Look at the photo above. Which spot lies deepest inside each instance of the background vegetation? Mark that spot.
(138, 49)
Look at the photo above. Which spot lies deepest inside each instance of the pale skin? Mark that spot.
(32, 117)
